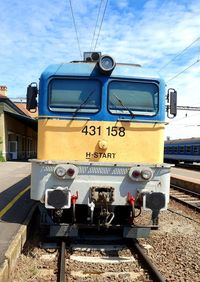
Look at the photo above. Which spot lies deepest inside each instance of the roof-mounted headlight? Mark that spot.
(106, 64)
(91, 56)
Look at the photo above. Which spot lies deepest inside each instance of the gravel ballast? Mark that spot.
(174, 249)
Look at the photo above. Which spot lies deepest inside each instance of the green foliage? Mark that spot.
(1, 157)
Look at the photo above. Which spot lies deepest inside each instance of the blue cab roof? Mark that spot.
(90, 69)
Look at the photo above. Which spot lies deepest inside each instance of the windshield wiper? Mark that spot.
(127, 109)
(84, 102)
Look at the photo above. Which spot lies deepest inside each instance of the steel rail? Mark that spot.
(192, 193)
(187, 192)
(185, 203)
(153, 271)
(62, 263)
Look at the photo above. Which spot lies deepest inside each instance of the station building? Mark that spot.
(18, 129)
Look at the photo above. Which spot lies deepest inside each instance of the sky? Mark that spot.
(153, 33)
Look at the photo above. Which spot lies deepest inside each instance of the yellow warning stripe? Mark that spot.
(13, 201)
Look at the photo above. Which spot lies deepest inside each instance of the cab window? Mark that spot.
(72, 95)
(133, 98)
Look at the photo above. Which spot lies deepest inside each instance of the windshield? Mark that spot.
(133, 98)
(74, 95)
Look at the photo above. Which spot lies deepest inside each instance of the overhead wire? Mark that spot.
(75, 27)
(185, 117)
(197, 61)
(94, 33)
(185, 125)
(180, 53)
(102, 19)
(171, 123)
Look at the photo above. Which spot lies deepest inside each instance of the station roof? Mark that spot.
(11, 109)
(22, 107)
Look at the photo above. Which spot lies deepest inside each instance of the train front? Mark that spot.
(100, 147)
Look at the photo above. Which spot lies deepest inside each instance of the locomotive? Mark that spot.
(100, 146)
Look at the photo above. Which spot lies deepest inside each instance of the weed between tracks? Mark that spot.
(31, 267)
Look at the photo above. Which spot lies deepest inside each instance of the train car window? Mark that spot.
(188, 149)
(196, 149)
(74, 95)
(175, 149)
(133, 98)
(181, 149)
(170, 149)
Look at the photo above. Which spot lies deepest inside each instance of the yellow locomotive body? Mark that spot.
(81, 140)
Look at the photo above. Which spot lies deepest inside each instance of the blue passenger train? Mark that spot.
(182, 150)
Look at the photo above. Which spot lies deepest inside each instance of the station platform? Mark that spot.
(15, 206)
(186, 178)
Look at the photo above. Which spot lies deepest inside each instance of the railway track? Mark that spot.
(186, 197)
(95, 260)
(111, 260)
